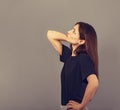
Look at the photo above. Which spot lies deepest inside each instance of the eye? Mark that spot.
(74, 31)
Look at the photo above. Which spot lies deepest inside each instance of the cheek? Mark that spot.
(75, 36)
(70, 35)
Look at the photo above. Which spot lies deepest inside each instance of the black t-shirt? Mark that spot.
(74, 74)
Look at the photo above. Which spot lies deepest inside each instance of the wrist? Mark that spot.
(66, 39)
(82, 106)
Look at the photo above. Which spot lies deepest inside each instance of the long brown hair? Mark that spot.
(87, 32)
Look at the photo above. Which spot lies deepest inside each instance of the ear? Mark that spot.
(82, 42)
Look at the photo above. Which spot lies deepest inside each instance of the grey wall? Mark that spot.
(29, 66)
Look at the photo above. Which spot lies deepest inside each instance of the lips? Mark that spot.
(67, 34)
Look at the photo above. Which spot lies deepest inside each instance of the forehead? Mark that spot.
(76, 27)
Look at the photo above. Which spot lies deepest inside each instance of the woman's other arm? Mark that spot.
(55, 39)
(91, 89)
(89, 93)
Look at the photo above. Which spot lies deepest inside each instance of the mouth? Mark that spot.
(67, 34)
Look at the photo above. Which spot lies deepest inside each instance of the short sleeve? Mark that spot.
(66, 52)
(87, 66)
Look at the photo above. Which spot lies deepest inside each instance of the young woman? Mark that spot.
(79, 76)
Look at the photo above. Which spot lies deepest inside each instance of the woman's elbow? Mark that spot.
(48, 33)
(96, 84)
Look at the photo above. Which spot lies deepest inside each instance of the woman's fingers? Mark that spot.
(73, 102)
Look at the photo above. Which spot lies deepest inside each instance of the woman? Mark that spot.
(79, 76)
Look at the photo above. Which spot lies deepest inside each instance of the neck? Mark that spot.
(73, 49)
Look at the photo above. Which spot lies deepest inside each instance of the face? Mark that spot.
(74, 32)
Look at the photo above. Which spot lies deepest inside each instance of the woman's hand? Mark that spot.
(72, 105)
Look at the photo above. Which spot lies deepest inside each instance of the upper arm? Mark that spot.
(57, 45)
(93, 79)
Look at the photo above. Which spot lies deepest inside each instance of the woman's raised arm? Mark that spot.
(55, 39)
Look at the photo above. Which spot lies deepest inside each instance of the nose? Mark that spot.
(69, 31)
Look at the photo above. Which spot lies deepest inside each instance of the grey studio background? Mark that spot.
(29, 66)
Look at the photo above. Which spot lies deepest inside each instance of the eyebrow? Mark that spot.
(74, 29)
